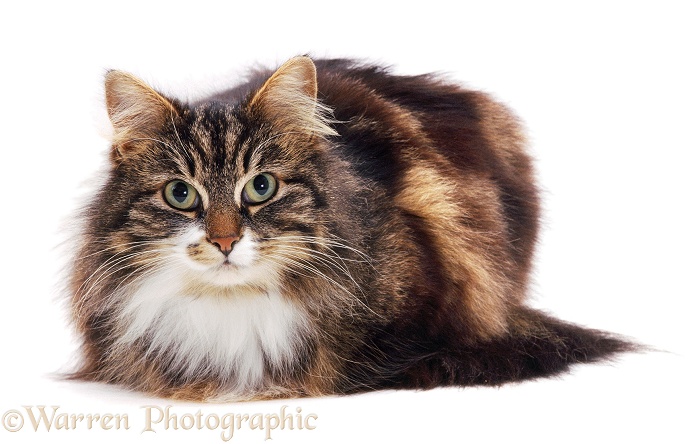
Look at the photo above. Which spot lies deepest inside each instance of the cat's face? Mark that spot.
(228, 209)
(225, 196)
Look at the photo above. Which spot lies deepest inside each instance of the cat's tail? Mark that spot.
(536, 345)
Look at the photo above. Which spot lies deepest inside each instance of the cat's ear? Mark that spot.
(136, 111)
(288, 99)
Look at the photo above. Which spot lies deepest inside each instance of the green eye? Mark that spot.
(181, 195)
(259, 189)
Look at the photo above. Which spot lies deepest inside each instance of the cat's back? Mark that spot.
(465, 135)
(471, 128)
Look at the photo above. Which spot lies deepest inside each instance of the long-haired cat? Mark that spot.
(326, 228)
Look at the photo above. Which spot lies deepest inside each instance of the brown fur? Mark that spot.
(404, 225)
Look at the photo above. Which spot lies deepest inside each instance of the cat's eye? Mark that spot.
(259, 189)
(181, 195)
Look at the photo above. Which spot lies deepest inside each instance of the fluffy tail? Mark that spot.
(535, 346)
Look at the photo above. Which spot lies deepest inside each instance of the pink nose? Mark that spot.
(225, 244)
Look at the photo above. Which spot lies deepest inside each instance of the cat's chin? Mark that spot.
(227, 275)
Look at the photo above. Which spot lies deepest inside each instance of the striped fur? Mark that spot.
(394, 253)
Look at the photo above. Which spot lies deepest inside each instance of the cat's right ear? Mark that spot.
(136, 111)
(288, 99)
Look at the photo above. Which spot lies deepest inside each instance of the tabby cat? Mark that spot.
(327, 228)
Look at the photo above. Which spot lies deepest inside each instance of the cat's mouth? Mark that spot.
(229, 264)
(229, 273)
(226, 264)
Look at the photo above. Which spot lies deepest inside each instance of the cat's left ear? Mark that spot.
(288, 99)
(137, 112)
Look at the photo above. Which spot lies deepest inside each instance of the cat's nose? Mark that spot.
(225, 244)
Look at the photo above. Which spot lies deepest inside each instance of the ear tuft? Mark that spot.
(289, 99)
(136, 111)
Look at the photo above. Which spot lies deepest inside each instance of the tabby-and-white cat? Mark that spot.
(325, 228)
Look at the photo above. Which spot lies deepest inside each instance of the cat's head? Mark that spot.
(227, 194)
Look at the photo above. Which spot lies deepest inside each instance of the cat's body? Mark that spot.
(246, 246)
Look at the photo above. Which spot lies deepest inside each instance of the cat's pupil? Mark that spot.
(261, 185)
(180, 192)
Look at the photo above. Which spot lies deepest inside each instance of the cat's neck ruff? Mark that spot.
(232, 333)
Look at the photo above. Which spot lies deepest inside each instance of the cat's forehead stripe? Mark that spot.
(211, 133)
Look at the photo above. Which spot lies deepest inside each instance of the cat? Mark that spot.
(327, 228)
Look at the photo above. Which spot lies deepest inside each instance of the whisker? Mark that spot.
(115, 260)
(298, 261)
(130, 246)
(324, 259)
(325, 242)
(105, 274)
(147, 268)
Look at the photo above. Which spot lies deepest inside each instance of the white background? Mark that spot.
(604, 91)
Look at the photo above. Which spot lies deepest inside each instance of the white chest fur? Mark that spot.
(230, 333)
